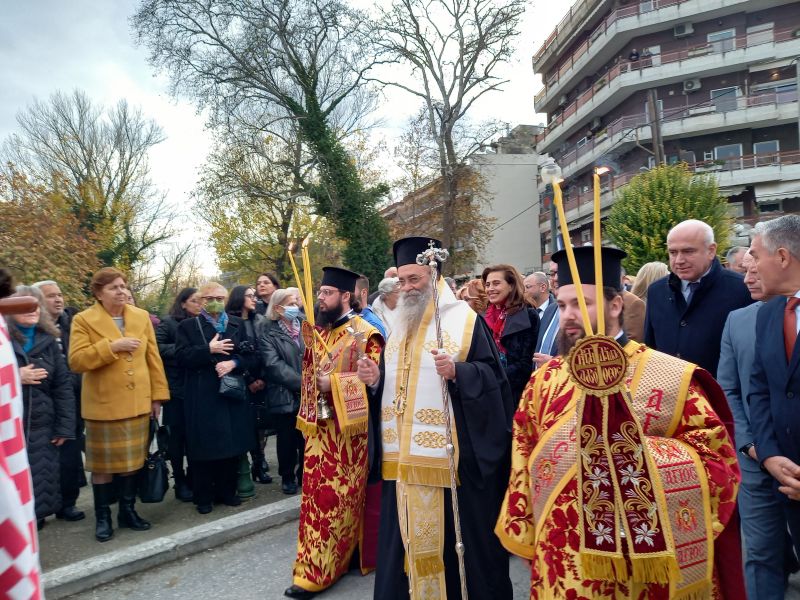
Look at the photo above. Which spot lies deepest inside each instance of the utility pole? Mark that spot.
(655, 126)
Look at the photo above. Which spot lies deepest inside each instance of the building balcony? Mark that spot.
(625, 78)
(721, 114)
(615, 32)
(773, 170)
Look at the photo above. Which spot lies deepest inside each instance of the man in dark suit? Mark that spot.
(547, 338)
(775, 379)
(767, 562)
(686, 311)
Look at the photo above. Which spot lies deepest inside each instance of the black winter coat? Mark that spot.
(693, 332)
(49, 412)
(519, 340)
(166, 332)
(216, 427)
(253, 328)
(283, 362)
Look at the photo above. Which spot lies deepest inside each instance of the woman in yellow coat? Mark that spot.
(113, 344)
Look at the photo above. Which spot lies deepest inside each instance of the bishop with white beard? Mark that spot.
(416, 545)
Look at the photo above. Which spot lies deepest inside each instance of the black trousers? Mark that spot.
(70, 463)
(214, 479)
(291, 447)
(176, 450)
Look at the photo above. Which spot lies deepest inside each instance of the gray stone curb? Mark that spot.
(92, 572)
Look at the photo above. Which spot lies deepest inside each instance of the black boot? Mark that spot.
(183, 491)
(260, 468)
(127, 498)
(103, 497)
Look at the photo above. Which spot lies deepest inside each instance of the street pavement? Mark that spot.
(256, 567)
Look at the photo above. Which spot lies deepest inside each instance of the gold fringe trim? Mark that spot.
(655, 569)
(604, 567)
(305, 427)
(428, 565)
(354, 428)
(424, 475)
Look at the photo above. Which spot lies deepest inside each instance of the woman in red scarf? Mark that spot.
(513, 323)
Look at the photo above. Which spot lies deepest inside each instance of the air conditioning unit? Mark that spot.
(691, 85)
(596, 124)
(683, 30)
(563, 100)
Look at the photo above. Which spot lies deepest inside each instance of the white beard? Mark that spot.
(410, 309)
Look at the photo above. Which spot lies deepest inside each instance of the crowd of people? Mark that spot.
(701, 430)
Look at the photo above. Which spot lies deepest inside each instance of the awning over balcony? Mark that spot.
(733, 190)
(777, 190)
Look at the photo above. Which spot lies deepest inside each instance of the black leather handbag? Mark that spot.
(153, 478)
(231, 386)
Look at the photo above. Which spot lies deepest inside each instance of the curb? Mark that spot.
(98, 570)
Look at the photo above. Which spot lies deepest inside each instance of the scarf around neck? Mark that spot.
(496, 320)
(220, 323)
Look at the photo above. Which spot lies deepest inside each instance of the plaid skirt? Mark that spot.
(117, 446)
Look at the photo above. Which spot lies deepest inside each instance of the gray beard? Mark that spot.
(410, 308)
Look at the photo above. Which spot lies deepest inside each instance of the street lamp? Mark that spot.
(551, 173)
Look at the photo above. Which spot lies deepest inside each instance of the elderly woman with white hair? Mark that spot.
(281, 348)
(385, 304)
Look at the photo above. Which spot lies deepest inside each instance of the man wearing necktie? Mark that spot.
(687, 310)
(775, 379)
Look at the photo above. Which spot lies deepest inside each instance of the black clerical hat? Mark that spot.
(584, 259)
(341, 279)
(407, 249)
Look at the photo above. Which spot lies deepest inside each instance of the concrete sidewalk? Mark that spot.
(73, 561)
(134, 554)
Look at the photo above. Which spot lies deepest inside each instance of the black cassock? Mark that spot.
(483, 407)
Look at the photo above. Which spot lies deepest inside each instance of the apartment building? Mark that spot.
(724, 76)
(508, 173)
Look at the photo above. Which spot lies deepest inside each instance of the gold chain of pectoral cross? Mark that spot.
(401, 398)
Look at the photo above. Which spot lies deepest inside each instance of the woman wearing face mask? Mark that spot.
(282, 354)
(219, 429)
(242, 303)
(186, 305)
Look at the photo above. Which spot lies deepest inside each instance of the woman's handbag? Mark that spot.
(231, 386)
(153, 478)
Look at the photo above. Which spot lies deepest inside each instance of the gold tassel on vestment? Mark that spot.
(656, 569)
(604, 567)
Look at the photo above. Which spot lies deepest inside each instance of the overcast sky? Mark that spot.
(49, 45)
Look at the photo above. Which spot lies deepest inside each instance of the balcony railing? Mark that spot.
(732, 164)
(624, 66)
(623, 12)
(716, 106)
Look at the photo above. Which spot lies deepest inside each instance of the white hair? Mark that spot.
(783, 232)
(388, 285)
(277, 299)
(40, 284)
(708, 231)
